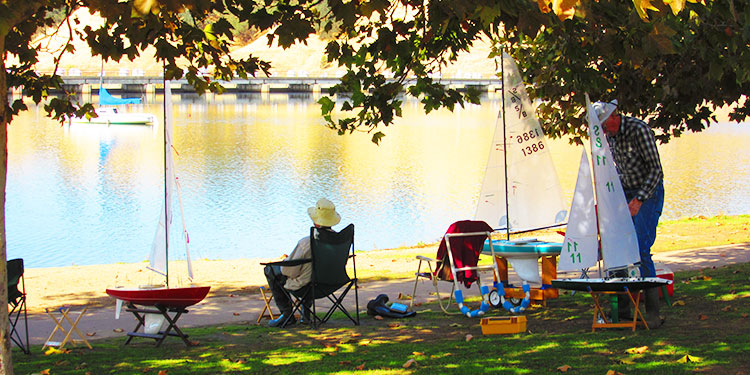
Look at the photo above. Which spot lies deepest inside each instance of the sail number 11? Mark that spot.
(574, 253)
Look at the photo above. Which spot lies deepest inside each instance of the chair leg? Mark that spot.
(14, 316)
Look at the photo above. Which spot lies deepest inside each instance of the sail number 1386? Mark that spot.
(534, 146)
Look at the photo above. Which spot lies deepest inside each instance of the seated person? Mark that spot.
(323, 216)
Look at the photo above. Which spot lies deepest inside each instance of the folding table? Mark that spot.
(60, 316)
(158, 309)
(266, 312)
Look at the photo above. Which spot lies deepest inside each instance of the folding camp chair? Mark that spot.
(330, 254)
(17, 303)
(457, 258)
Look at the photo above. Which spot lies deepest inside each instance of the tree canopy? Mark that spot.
(672, 61)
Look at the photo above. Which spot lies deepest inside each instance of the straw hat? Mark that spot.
(604, 110)
(324, 213)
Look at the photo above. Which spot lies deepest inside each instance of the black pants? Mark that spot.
(276, 281)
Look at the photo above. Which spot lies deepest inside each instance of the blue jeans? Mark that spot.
(645, 226)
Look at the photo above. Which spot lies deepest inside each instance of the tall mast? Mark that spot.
(167, 202)
(505, 148)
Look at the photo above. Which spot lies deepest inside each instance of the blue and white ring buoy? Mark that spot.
(509, 306)
(482, 308)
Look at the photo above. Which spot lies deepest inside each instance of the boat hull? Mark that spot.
(523, 248)
(111, 116)
(166, 297)
(610, 285)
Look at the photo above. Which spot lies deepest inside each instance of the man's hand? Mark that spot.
(634, 206)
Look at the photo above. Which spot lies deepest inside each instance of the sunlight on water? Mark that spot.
(250, 166)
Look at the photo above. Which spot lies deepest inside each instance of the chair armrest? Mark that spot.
(288, 263)
(420, 257)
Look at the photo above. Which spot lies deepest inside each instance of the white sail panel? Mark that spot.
(619, 241)
(580, 249)
(491, 205)
(160, 247)
(534, 194)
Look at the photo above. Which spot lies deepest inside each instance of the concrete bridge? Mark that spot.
(152, 84)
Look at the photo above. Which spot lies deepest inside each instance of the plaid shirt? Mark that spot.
(636, 157)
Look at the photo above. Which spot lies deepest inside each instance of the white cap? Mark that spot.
(604, 110)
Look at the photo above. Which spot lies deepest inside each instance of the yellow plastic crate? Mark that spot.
(501, 325)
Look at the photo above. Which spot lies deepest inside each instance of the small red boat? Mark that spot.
(166, 297)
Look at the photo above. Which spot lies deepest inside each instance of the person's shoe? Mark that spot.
(279, 322)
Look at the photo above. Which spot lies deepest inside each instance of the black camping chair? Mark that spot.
(330, 253)
(17, 303)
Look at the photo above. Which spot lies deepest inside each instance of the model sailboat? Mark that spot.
(521, 191)
(599, 219)
(166, 296)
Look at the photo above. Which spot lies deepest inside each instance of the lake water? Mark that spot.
(251, 165)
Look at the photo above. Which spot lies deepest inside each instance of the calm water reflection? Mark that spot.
(250, 166)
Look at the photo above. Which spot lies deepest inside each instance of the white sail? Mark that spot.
(619, 241)
(580, 248)
(160, 247)
(534, 197)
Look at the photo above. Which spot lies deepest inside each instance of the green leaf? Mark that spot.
(326, 105)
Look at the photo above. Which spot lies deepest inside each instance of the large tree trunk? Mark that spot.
(6, 362)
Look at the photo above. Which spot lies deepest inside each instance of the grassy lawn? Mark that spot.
(708, 322)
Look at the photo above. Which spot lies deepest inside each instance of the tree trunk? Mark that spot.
(6, 362)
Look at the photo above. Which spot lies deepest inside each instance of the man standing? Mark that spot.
(637, 160)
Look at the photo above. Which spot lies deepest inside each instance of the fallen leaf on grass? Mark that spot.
(626, 361)
(638, 350)
(702, 316)
(89, 334)
(378, 317)
(744, 315)
(404, 296)
(469, 336)
(236, 314)
(408, 363)
(726, 308)
(345, 362)
(417, 353)
(394, 325)
(689, 358)
(51, 351)
(613, 372)
(678, 303)
(356, 334)
(344, 340)
(360, 367)
(455, 325)
(365, 342)
(564, 368)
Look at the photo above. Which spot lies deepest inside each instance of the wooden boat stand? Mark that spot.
(538, 296)
(605, 322)
(140, 314)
